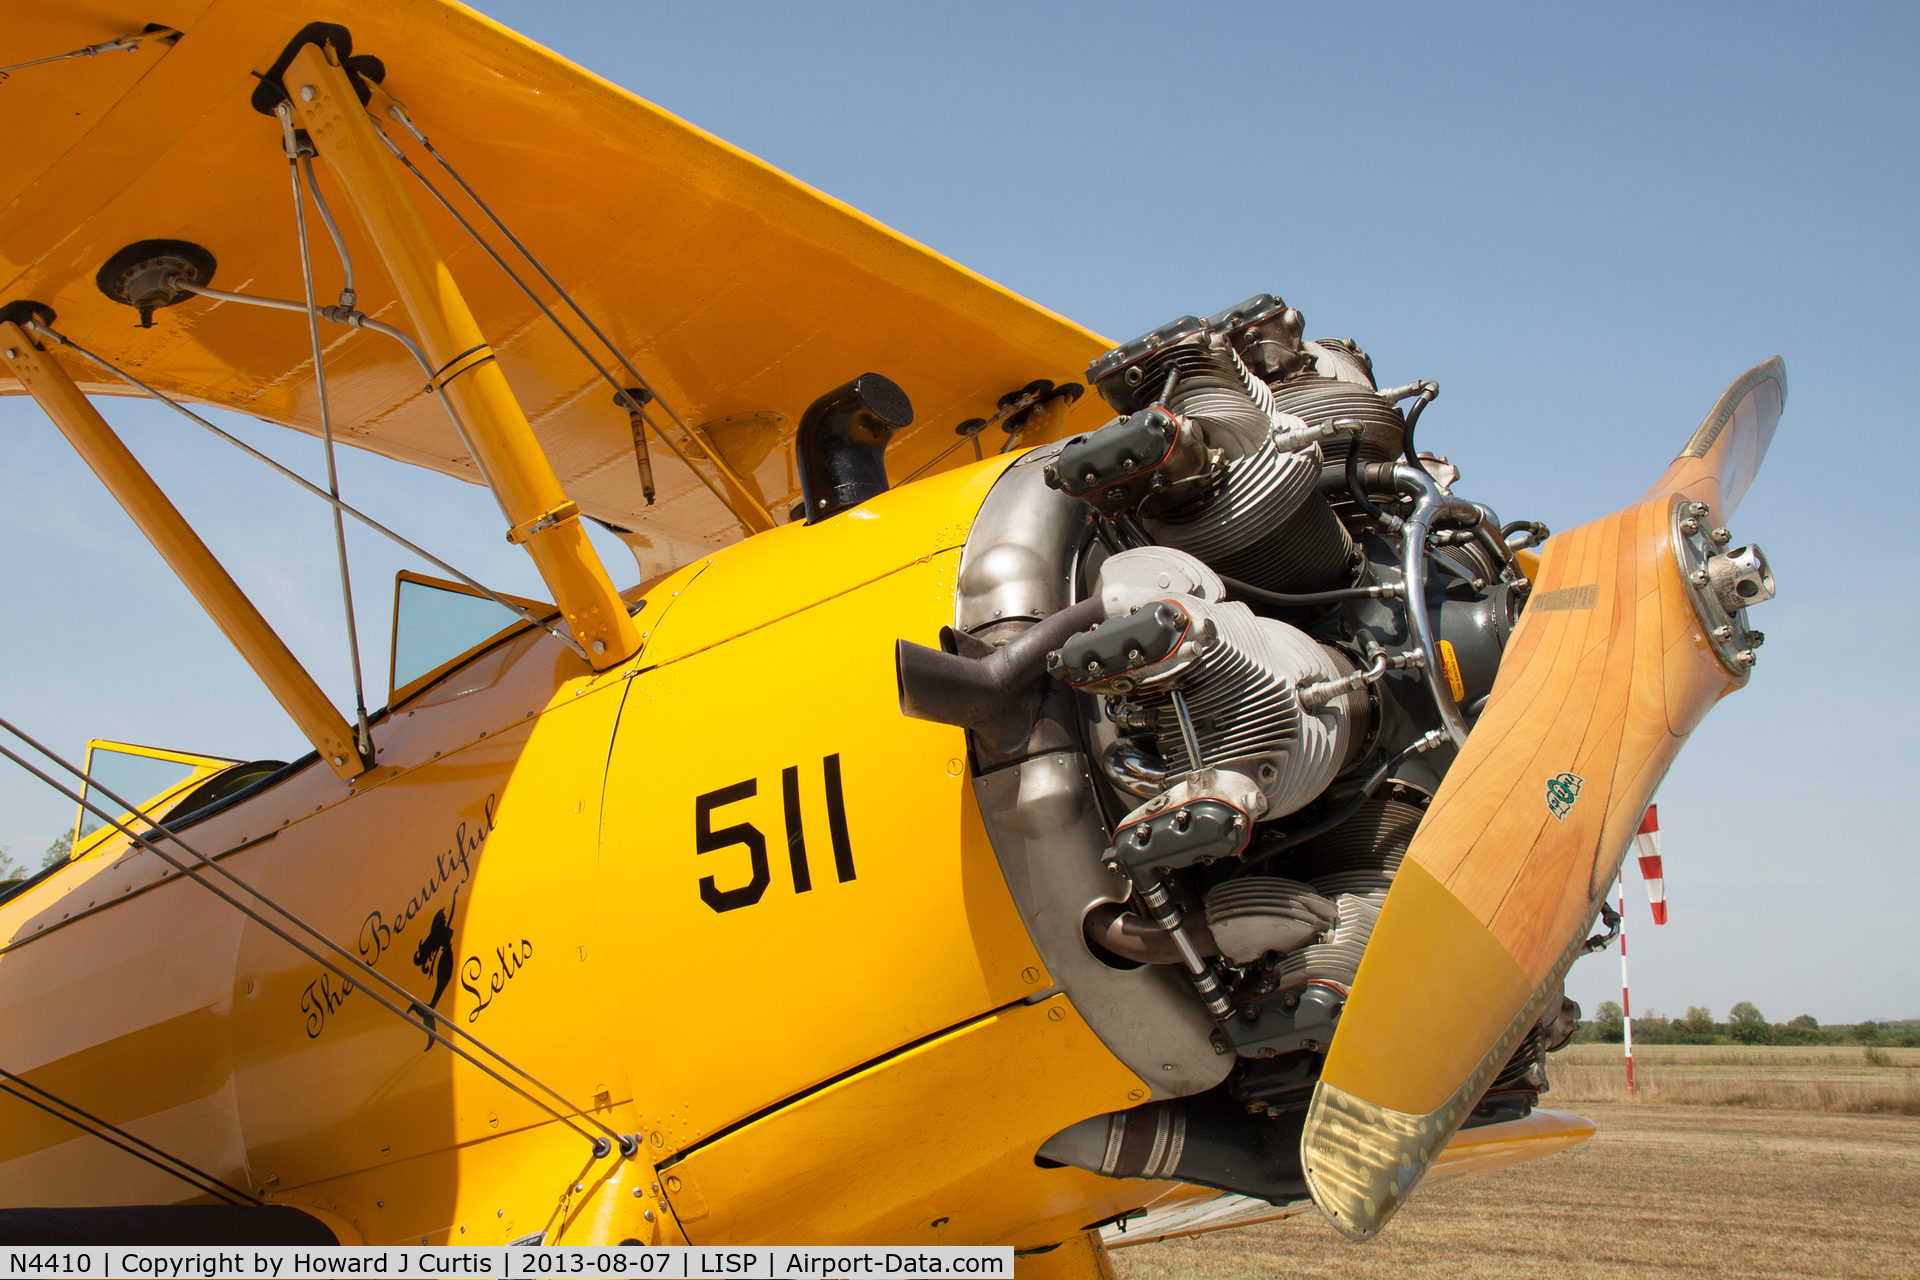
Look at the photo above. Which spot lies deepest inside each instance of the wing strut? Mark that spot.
(184, 552)
(537, 509)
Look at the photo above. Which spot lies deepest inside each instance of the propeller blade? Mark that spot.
(1612, 665)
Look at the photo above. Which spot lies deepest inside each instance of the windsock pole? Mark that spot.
(1626, 1005)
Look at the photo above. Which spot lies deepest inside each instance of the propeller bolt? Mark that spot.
(1723, 632)
(1699, 577)
(1756, 638)
(1746, 657)
(1690, 526)
(1697, 508)
(1721, 536)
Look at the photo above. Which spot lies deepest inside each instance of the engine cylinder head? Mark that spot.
(1266, 332)
(1309, 551)
(1319, 401)
(1241, 695)
(1338, 958)
(1252, 916)
(1265, 524)
(1362, 854)
(1132, 376)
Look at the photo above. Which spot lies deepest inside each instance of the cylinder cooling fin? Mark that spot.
(1209, 691)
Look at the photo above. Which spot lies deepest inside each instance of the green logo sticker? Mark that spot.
(1563, 792)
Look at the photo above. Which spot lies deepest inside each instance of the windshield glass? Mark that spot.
(133, 778)
(432, 624)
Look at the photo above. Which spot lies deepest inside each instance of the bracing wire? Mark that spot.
(525, 614)
(398, 113)
(347, 295)
(547, 311)
(113, 1135)
(357, 320)
(535, 298)
(359, 973)
(129, 42)
(363, 731)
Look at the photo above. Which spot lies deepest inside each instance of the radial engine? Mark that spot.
(1215, 658)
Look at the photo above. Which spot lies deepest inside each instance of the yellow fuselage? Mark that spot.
(724, 896)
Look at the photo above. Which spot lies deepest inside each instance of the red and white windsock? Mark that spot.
(1647, 844)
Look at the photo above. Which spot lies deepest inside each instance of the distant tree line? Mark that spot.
(1744, 1025)
(13, 871)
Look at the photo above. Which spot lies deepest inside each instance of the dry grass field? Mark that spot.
(1801, 1162)
(1837, 1078)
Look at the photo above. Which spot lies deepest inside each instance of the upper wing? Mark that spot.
(739, 292)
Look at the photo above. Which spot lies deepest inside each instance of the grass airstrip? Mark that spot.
(1731, 1161)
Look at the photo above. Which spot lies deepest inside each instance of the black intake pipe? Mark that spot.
(842, 444)
(978, 693)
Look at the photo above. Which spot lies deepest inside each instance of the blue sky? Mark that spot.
(1582, 221)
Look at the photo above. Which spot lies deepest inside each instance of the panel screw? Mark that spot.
(648, 1215)
(636, 1193)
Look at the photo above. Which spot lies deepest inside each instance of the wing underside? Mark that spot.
(740, 293)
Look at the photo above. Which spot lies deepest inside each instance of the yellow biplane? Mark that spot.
(1003, 814)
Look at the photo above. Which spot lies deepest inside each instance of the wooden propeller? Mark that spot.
(1619, 654)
